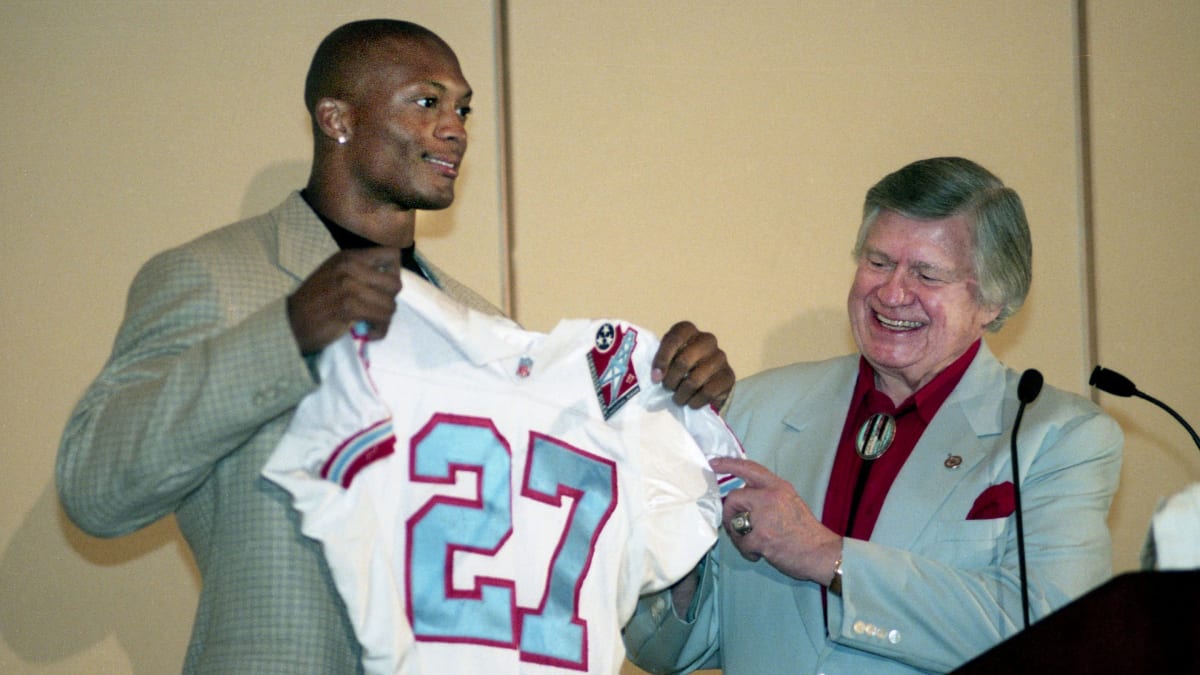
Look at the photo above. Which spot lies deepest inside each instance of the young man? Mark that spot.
(217, 347)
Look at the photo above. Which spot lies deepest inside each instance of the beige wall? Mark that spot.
(670, 160)
(1146, 152)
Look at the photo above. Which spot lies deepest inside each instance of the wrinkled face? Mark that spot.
(913, 306)
(407, 125)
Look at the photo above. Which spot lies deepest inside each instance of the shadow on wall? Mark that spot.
(272, 185)
(53, 607)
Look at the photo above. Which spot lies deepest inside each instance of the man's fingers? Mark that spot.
(755, 474)
(709, 381)
(383, 260)
(664, 364)
(691, 364)
(353, 289)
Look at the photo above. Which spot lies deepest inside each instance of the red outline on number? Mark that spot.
(556, 500)
(448, 591)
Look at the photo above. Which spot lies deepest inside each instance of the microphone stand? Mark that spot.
(1029, 386)
(1112, 382)
(1177, 416)
(1020, 520)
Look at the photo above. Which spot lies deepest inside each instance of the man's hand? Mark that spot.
(784, 529)
(690, 363)
(349, 287)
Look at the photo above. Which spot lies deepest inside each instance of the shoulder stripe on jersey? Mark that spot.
(727, 483)
(357, 452)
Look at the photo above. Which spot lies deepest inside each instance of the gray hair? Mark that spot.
(943, 187)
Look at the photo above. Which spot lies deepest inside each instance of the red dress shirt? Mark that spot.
(857, 487)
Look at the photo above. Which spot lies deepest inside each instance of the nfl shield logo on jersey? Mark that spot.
(611, 363)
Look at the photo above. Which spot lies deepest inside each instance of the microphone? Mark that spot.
(1112, 382)
(1028, 387)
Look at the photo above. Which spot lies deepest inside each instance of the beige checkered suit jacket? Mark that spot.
(203, 378)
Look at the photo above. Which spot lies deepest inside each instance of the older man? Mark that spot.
(876, 533)
(219, 335)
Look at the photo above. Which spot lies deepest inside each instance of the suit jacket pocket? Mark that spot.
(970, 543)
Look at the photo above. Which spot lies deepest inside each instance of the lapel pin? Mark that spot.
(953, 461)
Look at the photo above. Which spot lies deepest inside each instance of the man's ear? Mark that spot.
(990, 314)
(333, 119)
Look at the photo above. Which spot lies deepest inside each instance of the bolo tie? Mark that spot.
(874, 438)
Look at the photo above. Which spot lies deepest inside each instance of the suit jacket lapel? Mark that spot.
(303, 242)
(972, 412)
(808, 420)
(810, 417)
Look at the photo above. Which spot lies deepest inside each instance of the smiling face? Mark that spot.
(405, 122)
(913, 305)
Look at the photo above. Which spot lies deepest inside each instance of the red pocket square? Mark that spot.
(998, 501)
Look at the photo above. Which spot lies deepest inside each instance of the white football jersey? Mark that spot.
(492, 500)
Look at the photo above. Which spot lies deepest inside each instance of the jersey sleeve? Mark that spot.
(682, 497)
(336, 432)
(339, 430)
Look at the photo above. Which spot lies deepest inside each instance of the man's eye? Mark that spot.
(427, 101)
(464, 111)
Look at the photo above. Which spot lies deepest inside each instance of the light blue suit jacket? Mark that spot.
(931, 589)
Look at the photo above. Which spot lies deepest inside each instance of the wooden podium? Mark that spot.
(1138, 622)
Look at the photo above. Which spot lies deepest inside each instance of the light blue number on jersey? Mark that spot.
(552, 632)
(446, 524)
(555, 631)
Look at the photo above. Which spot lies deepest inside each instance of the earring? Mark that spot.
(341, 140)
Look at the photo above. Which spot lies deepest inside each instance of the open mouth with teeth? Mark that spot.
(896, 324)
(445, 167)
(440, 162)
